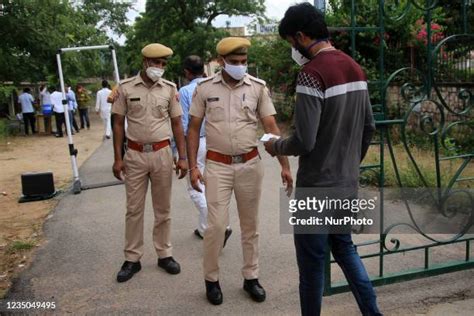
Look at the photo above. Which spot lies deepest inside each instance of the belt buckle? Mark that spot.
(237, 159)
(147, 148)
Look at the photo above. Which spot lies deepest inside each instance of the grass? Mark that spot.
(408, 174)
(20, 245)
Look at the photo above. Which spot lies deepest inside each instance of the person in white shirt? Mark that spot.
(72, 106)
(46, 106)
(58, 109)
(103, 107)
(26, 100)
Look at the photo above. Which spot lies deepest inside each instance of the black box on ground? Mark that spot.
(37, 186)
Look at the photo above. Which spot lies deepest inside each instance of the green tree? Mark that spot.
(270, 59)
(185, 26)
(33, 31)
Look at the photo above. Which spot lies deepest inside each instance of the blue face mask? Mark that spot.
(236, 72)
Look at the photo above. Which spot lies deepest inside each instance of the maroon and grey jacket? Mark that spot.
(333, 122)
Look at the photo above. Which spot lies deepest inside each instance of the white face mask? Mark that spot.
(297, 57)
(154, 73)
(236, 72)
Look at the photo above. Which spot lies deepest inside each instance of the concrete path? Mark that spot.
(77, 265)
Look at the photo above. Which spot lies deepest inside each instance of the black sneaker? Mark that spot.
(169, 265)
(228, 232)
(213, 292)
(256, 291)
(198, 234)
(128, 270)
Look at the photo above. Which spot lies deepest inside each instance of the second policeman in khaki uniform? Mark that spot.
(232, 102)
(151, 106)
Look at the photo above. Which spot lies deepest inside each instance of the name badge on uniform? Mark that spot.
(134, 99)
(212, 99)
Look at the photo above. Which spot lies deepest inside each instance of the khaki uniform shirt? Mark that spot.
(148, 110)
(231, 113)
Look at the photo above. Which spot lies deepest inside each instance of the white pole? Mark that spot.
(72, 152)
(116, 71)
(77, 49)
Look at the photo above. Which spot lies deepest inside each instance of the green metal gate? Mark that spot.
(420, 84)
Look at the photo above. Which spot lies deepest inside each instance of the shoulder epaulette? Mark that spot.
(169, 82)
(206, 79)
(127, 80)
(260, 81)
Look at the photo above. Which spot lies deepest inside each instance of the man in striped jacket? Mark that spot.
(333, 129)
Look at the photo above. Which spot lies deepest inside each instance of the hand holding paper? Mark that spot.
(267, 137)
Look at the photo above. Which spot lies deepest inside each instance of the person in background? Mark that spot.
(102, 107)
(58, 109)
(46, 106)
(83, 100)
(194, 71)
(26, 100)
(72, 107)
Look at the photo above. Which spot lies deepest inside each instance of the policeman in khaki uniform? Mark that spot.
(151, 106)
(232, 102)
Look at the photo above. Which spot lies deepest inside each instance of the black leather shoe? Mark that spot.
(213, 292)
(228, 232)
(198, 234)
(169, 265)
(256, 291)
(128, 270)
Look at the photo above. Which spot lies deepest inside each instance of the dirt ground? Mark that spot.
(21, 223)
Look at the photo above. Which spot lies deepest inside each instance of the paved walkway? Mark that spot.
(77, 265)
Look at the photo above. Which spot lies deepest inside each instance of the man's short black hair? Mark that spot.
(303, 17)
(105, 83)
(194, 65)
(27, 90)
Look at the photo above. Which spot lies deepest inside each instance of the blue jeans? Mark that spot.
(72, 121)
(84, 117)
(311, 252)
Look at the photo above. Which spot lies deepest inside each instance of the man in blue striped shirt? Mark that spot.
(194, 72)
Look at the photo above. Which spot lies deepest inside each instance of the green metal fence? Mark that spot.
(420, 85)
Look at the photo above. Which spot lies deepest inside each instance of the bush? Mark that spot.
(284, 106)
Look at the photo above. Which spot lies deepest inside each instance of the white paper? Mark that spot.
(267, 137)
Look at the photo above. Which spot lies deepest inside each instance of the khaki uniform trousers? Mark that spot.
(156, 167)
(245, 179)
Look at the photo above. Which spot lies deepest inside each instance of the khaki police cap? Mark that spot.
(234, 45)
(156, 50)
